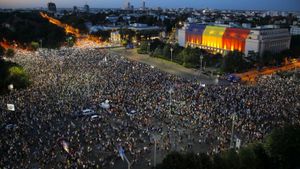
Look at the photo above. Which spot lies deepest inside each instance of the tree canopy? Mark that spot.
(12, 73)
(280, 150)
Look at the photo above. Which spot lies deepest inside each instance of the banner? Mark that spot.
(11, 107)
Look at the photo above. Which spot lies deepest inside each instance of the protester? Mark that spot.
(46, 129)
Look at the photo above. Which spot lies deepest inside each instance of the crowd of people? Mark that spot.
(145, 104)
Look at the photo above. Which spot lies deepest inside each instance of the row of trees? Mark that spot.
(190, 57)
(280, 150)
(8, 53)
(233, 61)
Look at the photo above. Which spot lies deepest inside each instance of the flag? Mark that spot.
(238, 143)
(121, 153)
(11, 107)
(65, 146)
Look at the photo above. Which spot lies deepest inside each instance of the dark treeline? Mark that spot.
(280, 150)
(27, 27)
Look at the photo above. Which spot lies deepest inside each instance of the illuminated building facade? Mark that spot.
(220, 39)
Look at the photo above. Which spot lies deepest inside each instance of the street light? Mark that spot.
(155, 139)
(216, 81)
(171, 49)
(10, 87)
(201, 58)
(233, 117)
(149, 46)
(41, 42)
(171, 90)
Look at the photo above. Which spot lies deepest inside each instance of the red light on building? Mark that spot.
(235, 38)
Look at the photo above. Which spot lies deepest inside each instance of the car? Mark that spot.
(95, 117)
(88, 112)
(233, 78)
(84, 113)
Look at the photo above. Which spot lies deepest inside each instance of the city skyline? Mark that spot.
(287, 5)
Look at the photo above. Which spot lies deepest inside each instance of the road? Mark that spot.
(164, 65)
(252, 75)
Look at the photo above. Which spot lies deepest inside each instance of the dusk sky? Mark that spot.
(286, 5)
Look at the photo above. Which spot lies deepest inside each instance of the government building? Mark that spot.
(221, 39)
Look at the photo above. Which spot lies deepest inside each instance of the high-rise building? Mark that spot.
(75, 9)
(86, 8)
(144, 5)
(51, 7)
(128, 5)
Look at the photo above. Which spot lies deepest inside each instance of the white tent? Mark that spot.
(105, 104)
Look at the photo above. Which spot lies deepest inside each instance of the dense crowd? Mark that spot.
(144, 103)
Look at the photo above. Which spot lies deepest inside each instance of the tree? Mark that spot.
(176, 160)
(231, 159)
(190, 56)
(10, 53)
(176, 52)
(173, 160)
(204, 161)
(283, 146)
(28, 27)
(261, 156)
(191, 160)
(18, 77)
(267, 58)
(218, 162)
(166, 52)
(34, 45)
(12, 73)
(212, 60)
(154, 44)
(2, 50)
(157, 52)
(295, 41)
(280, 150)
(144, 47)
(234, 62)
(104, 35)
(247, 158)
(70, 41)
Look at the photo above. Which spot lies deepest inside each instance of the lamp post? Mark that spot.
(10, 87)
(201, 58)
(171, 49)
(216, 81)
(171, 90)
(41, 42)
(149, 45)
(233, 117)
(155, 139)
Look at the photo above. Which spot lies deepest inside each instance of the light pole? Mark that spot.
(170, 92)
(10, 87)
(171, 49)
(201, 58)
(149, 46)
(155, 139)
(217, 80)
(41, 42)
(233, 117)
